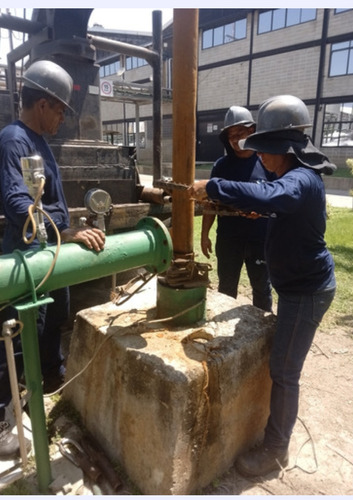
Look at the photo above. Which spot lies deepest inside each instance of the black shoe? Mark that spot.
(9, 445)
(261, 461)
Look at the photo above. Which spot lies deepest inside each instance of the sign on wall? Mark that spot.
(107, 88)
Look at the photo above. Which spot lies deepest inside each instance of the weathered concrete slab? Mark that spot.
(174, 407)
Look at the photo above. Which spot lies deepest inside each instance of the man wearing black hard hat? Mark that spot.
(300, 266)
(45, 96)
(239, 240)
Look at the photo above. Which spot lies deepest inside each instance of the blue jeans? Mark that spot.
(297, 321)
(232, 253)
(51, 317)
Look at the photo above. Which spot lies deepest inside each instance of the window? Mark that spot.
(132, 134)
(109, 69)
(341, 62)
(135, 62)
(282, 18)
(338, 11)
(338, 125)
(224, 34)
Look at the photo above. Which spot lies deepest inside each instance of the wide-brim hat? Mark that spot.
(292, 142)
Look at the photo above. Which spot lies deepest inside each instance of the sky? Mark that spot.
(137, 19)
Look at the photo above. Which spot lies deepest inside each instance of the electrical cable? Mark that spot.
(29, 219)
(31, 209)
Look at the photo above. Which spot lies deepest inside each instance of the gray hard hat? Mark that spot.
(236, 115)
(282, 112)
(50, 78)
(277, 114)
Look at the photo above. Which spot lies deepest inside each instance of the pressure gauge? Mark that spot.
(97, 201)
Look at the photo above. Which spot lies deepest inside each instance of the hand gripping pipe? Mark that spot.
(149, 245)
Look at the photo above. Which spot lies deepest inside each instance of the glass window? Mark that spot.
(207, 39)
(229, 33)
(240, 29)
(341, 62)
(265, 22)
(218, 36)
(293, 17)
(338, 125)
(224, 34)
(307, 15)
(350, 62)
(279, 19)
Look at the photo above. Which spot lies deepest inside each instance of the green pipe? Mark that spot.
(149, 245)
(31, 360)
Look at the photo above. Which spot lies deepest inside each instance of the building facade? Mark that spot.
(246, 56)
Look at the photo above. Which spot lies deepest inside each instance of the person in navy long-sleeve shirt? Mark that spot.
(239, 240)
(301, 268)
(45, 96)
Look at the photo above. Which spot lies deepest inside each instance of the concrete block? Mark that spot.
(173, 406)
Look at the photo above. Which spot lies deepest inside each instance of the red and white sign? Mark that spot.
(107, 88)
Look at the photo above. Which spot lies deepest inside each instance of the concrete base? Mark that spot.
(173, 406)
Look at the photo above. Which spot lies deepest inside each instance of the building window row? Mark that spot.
(341, 62)
(338, 125)
(283, 18)
(109, 69)
(113, 68)
(270, 20)
(224, 34)
(135, 62)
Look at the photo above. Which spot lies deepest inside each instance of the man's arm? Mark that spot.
(206, 243)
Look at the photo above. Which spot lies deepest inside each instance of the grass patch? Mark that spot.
(343, 172)
(339, 239)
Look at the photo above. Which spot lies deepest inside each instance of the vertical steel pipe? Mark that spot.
(157, 94)
(185, 50)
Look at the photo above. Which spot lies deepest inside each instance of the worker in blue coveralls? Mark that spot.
(239, 240)
(300, 266)
(46, 93)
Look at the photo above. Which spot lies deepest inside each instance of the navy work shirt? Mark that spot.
(296, 253)
(233, 168)
(16, 141)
